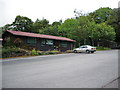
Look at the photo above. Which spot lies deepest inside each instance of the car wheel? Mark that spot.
(92, 51)
(87, 51)
(75, 51)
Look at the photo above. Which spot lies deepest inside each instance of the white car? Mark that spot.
(85, 48)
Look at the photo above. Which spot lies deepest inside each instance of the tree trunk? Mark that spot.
(98, 44)
(92, 42)
(84, 41)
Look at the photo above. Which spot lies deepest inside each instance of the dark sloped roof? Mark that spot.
(19, 33)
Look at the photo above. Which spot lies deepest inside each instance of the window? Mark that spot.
(83, 46)
(49, 42)
(46, 41)
(31, 40)
(43, 42)
(64, 44)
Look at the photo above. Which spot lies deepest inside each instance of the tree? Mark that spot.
(4, 28)
(101, 14)
(39, 25)
(114, 21)
(22, 24)
(52, 29)
(75, 29)
(92, 32)
(103, 33)
(69, 26)
(57, 23)
(83, 24)
(79, 13)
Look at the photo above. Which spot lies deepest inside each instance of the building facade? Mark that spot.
(39, 41)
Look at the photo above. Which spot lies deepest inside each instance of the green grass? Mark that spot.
(102, 48)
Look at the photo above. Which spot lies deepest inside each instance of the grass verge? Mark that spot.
(102, 48)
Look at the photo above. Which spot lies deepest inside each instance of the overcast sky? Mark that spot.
(52, 10)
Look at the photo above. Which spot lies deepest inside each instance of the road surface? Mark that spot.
(80, 70)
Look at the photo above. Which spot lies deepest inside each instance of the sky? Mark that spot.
(52, 10)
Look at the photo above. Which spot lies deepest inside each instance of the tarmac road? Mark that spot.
(80, 70)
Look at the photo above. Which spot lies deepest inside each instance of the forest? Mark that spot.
(98, 28)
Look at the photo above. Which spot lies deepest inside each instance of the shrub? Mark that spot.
(40, 52)
(34, 52)
(55, 52)
(69, 51)
(13, 52)
(9, 49)
(52, 52)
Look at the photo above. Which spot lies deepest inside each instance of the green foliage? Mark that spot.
(34, 52)
(106, 32)
(68, 27)
(22, 24)
(39, 25)
(102, 48)
(101, 14)
(83, 28)
(13, 52)
(51, 29)
(114, 21)
(4, 28)
(9, 49)
(56, 23)
(85, 31)
(69, 51)
(9, 42)
(40, 52)
(51, 52)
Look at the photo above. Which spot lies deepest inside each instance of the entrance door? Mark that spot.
(56, 45)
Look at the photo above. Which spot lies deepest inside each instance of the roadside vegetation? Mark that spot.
(37, 52)
(102, 48)
(14, 52)
(17, 52)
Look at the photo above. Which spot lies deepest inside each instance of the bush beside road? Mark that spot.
(102, 48)
(16, 52)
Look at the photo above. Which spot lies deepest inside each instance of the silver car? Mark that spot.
(85, 48)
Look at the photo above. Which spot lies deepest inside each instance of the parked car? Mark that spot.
(85, 48)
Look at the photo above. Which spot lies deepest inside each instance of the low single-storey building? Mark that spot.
(40, 41)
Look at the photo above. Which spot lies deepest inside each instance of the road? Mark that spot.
(62, 71)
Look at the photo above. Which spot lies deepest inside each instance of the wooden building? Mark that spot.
(40, 41)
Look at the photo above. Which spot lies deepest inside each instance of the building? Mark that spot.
(39, 41)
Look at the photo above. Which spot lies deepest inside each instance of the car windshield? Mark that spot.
(85, 46)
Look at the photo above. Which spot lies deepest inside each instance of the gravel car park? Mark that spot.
(85, 48)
